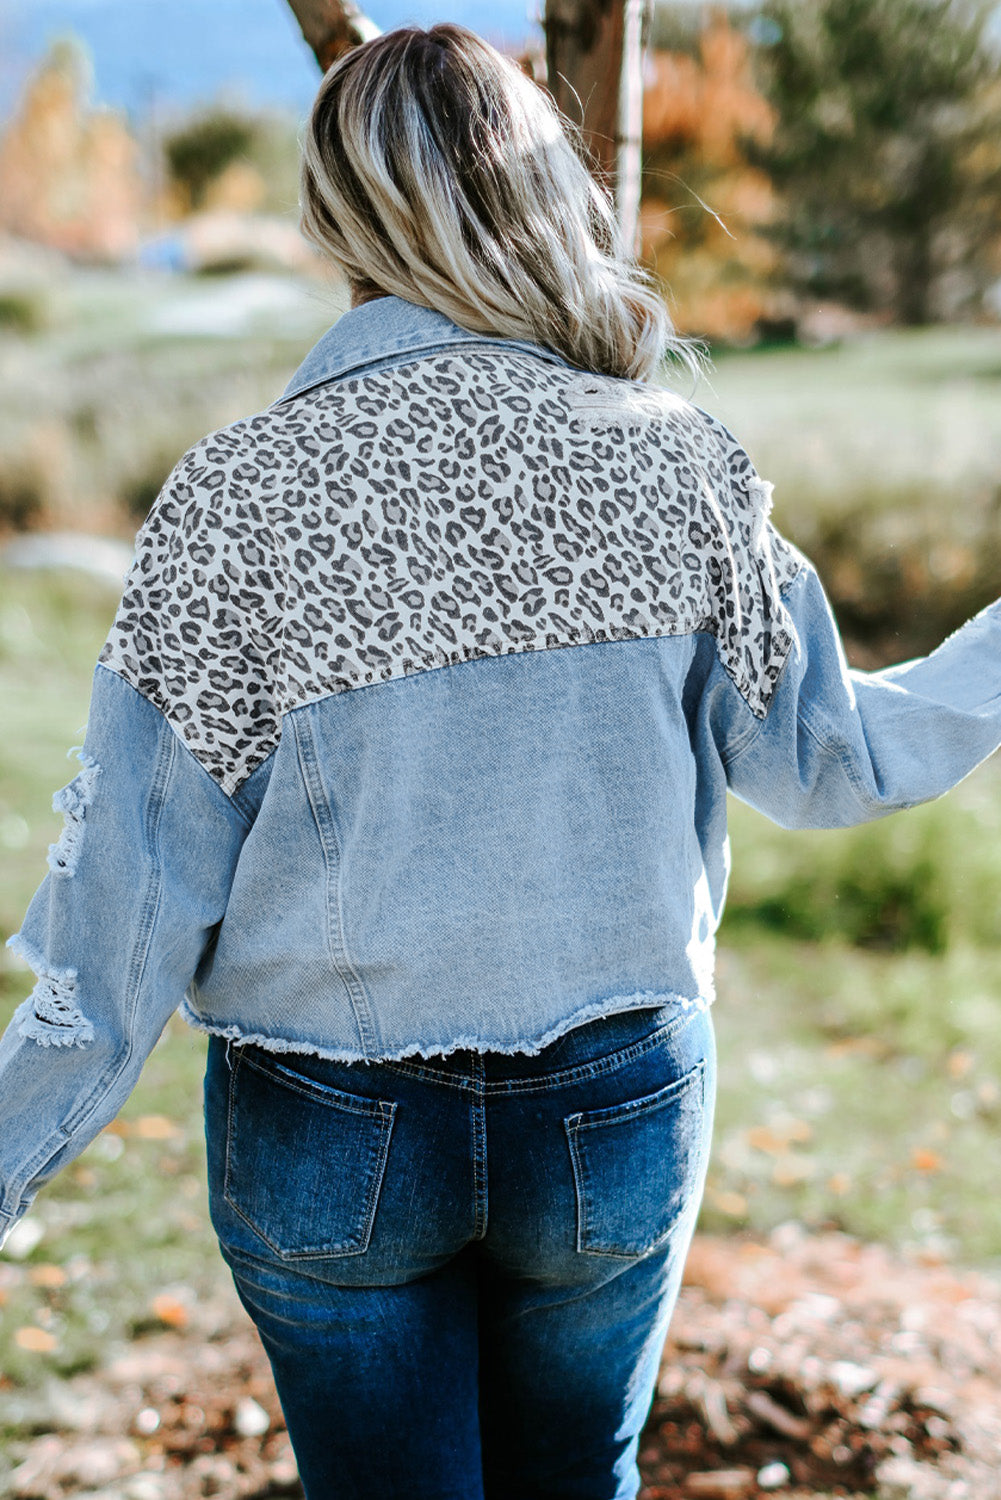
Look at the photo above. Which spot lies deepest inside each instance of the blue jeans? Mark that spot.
(462, 1268)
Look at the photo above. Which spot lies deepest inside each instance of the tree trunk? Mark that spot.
(583, 66)
(915, 267)
(594, 66)
(332, 27)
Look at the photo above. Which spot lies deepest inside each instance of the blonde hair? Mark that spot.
(435, 170)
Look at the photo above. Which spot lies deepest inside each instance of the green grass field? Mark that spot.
(859, 978)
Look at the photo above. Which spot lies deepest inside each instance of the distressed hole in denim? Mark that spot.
(759, 493)
(602, 407)
(50, 1015)
(72, 801)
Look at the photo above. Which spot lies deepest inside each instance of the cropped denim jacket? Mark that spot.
(416, 722)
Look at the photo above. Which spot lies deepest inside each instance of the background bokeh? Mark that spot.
(822, 199)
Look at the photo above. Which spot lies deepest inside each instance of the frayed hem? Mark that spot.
(51, 1018)
(72, 801)
(616, 1005)
(55, 1034)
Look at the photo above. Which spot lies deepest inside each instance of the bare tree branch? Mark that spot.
(332, 27)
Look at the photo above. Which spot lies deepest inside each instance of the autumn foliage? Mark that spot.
(69, 175)
(703, 205)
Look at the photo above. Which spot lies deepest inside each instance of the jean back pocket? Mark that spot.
(637, 1166)
(304, 1162)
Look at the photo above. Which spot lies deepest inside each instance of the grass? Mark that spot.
(860, 1050)
(126, 370)
(886, 459)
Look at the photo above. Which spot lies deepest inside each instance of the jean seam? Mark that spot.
(590, 1119)
(156, 798)
(559, 1079)
(354, 1104)
(478, 1121)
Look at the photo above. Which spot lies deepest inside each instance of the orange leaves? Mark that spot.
(779, 1136)
(734, 1205)
(703, 202)
(780, 1140)
(709, 102)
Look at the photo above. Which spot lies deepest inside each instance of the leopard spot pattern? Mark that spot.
(461, 505)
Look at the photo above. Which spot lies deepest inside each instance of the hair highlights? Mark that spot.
(435, 170)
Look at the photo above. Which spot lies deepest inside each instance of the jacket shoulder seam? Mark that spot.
(227, 791)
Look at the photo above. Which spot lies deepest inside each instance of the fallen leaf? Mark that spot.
(790, 1170)
(35, 1340)
(734, 1205)
(764, 1138)
(721, 1484)
(155, 1128)
(779, 1136)
(170, 1310)
(856, 1046)
(47, 1275)
(959, 1064)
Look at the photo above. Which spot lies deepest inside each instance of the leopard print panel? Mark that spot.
(470, 503)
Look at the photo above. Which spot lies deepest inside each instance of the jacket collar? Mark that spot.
(385, 329)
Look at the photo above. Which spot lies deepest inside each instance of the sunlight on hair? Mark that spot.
(435, 170)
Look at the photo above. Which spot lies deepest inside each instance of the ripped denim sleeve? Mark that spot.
(72, 801)
(50, 1015)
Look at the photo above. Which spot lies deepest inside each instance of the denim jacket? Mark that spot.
(416, 721)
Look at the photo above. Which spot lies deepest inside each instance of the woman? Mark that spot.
(407, 760)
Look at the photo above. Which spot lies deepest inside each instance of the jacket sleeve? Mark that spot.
(140, 877)
(835, 746)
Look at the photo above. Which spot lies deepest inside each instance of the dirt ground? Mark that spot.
(802, 1366)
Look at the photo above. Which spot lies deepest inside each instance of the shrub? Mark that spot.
(22, 312)
(203, 149)
(22, 498)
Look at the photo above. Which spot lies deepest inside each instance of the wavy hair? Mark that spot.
(435, 170)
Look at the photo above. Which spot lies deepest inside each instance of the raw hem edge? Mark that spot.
(615, 1005)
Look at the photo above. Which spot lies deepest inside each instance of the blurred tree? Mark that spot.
(704, 205)
(887, 152)
(69, 174)
(201, 150)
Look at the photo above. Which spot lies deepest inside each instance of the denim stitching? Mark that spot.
(358, 1104)
(584, 1120)
(563, 1076)
(51, 1147)
(145, 925)
(379, 1153)
(323, 817)
(478, 1121)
